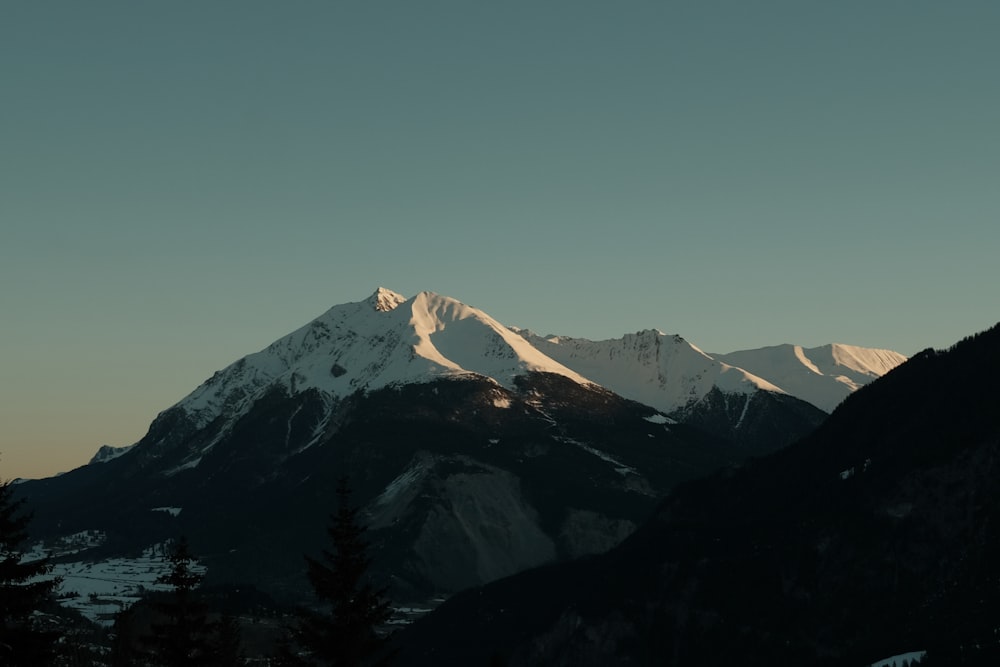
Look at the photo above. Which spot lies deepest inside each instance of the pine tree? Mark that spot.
(184, 636)
(22, 591)
(347, 634)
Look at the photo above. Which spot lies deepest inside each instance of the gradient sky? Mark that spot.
(183, 182)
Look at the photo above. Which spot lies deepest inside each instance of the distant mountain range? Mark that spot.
(388, 340)
(668, 373)
(477, 450)
(824, 375)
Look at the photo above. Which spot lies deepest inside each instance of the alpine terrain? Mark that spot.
(680, 380)
(877, 535)
(824, 375)
(476, 450)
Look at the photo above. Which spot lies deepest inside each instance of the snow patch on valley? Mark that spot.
(101, 589)
(67, 545)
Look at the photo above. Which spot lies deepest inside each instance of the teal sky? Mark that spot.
(183, 182)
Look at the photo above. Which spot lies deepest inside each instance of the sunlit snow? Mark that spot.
(382, 341)
(388, 340)
(651, 367)
(823, 376)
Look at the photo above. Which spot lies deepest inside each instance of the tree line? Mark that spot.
(178, 628)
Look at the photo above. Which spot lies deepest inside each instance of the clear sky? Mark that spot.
(183, 182)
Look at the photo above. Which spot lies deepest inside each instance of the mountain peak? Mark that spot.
(384, 340)
(823, 375)
(649, 366)
(384, 300)
(874, 362)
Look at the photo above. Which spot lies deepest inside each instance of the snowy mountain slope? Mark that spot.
(666, 372)
(388, 340)
(504, 455)
(381, 341)
(823, 376)
(675, 377)
(108, 453)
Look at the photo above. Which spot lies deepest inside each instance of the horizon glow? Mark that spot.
(183, 184)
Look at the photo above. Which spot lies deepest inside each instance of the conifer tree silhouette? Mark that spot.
(184, 636)
(346, 635)
(22, 590)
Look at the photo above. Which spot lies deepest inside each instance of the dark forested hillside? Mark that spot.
(878, 534)
(460, 481)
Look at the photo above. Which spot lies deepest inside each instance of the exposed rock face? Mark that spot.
(480, 529)
(760, 423)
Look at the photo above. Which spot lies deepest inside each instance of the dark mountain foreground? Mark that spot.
(461, 482)
(877, 535)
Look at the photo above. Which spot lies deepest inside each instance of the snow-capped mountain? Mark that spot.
(823, 376)
(666, 372)
(381, 341)
(674, 376)
(476, 450)
(389, 340)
